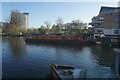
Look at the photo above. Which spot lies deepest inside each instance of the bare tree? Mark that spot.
(15, 23)
(59, 23)
(53, 29)
(48, 24)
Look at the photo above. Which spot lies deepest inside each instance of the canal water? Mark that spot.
(21, 60)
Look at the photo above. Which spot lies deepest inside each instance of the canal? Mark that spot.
(21, 60)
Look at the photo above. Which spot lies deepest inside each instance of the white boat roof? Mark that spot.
(117, 50)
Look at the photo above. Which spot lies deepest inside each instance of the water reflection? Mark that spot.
(116, 61)
(34, 60)
(104, 55)
(17, 46)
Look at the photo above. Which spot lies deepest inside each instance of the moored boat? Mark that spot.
(98, 42)
(114, 42)
(58, 39)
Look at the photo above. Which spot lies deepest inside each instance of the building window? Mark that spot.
(116, 18)
(116, 22)
(116, 10)
(98, 31)
(116, 31)
(116, 25)
(101, 18)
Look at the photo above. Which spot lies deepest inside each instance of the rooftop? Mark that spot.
(105, 9)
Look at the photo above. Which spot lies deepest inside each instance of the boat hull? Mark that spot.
(73, 42)
(114, 42)
(55, 75)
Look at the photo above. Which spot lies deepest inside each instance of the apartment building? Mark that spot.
(107, 22)
(21, 18)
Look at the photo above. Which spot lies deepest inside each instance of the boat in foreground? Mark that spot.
(70, 73)
(67, 72)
